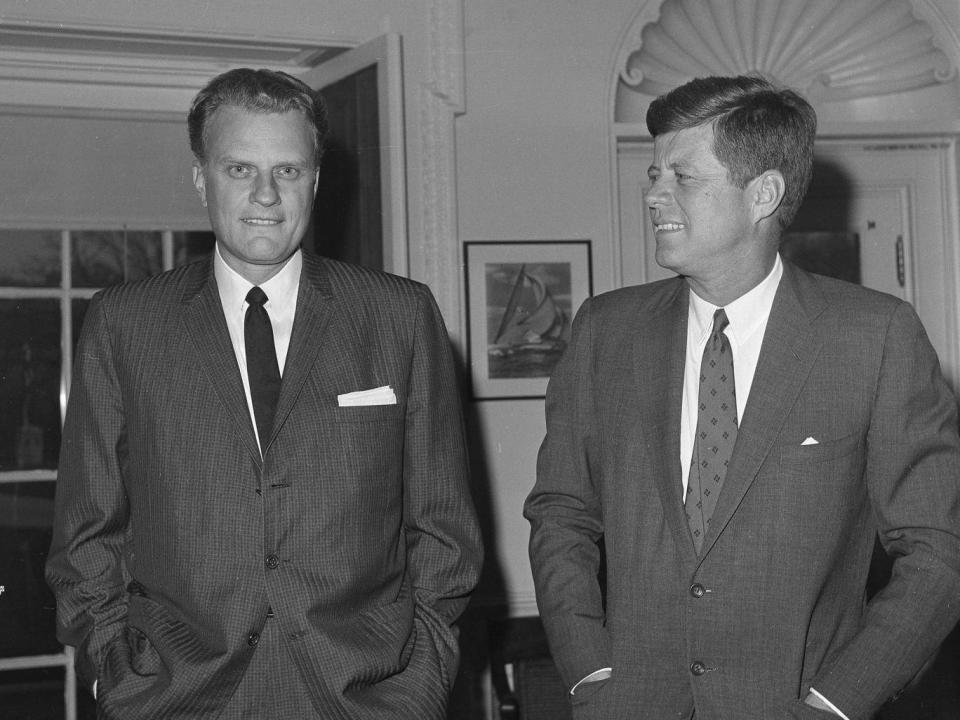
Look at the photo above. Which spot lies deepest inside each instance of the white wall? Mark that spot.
(106, 173)
(534, 163)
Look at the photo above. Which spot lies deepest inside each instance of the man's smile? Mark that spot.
(668, 226)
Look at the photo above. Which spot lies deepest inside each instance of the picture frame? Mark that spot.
(521, 300)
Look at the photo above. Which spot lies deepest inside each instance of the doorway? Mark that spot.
(360, 212)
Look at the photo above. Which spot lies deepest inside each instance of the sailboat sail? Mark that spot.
(532, 319)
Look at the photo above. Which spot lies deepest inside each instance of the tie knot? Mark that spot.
(256, 296)
(720, 320)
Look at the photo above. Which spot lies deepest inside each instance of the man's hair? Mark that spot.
(757, 127)
(266, 91)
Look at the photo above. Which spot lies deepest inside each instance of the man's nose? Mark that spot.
(655, 194)
(265, 189)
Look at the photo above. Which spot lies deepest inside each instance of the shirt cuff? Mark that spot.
(829, 704)
(601, 674)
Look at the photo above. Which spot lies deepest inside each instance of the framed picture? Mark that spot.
(521, 299)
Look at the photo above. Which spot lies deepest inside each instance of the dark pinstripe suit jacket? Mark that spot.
(775, 602)
(172, 539)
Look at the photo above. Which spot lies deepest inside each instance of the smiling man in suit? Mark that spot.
(262, 506)
(737, 437)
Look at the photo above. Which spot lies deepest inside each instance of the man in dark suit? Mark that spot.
(738, 501)
(262, 506)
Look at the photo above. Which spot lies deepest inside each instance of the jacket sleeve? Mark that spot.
(913, 477)
(84, 567)
(565, 516)
(444, 549)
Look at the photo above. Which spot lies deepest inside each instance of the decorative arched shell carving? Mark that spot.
(829, 49)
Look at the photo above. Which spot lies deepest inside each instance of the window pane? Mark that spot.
(107, 257)
(36, 694)
(31, 258)
(27, 623)
(29, 384)
(190, 246)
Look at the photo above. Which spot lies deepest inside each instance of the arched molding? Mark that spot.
(836, 53)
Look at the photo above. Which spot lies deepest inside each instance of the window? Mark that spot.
(47, 278)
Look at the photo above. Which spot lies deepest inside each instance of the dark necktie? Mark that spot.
(262, 369)
(716, 431)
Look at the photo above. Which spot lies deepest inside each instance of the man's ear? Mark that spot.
(766, 192)
(199, 182)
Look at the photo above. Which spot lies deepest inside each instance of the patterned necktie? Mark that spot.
(262, 369)
(716, 431)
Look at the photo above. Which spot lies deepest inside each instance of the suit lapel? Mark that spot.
(790, 347)
(314, 309)
(660, 351)
(207, 328)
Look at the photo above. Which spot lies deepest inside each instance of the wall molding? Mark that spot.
(58, 70)
(436, 257)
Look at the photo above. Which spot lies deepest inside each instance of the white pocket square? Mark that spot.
(810, 441)
(376, 396)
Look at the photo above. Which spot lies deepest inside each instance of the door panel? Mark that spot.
(366, 172)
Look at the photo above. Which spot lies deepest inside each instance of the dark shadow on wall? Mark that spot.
(819, 239)
(347, 221)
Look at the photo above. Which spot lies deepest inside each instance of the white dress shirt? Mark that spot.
(281, 291)
(748, 316)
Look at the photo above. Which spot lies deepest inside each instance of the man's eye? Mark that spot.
(288, 173)
(238, 171)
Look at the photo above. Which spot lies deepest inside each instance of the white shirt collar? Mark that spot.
(234, 287)
(746, 314)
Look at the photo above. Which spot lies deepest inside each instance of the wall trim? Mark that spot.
(436, 258)
(66, 69)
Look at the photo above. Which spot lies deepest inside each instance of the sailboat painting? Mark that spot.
(534, 322)
(525, 295)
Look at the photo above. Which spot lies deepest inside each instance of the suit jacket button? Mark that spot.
(698, 668)
(253, 639)
(697, 590)
(273, 562)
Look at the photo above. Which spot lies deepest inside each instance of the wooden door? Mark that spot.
(360, 212)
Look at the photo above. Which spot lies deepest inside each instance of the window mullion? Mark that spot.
(66, 327)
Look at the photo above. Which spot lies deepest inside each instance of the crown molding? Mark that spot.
(66, 70)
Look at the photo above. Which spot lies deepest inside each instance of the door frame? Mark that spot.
(386, 54)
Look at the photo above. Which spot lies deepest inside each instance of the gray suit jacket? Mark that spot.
(775, 602)
(172, 538)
